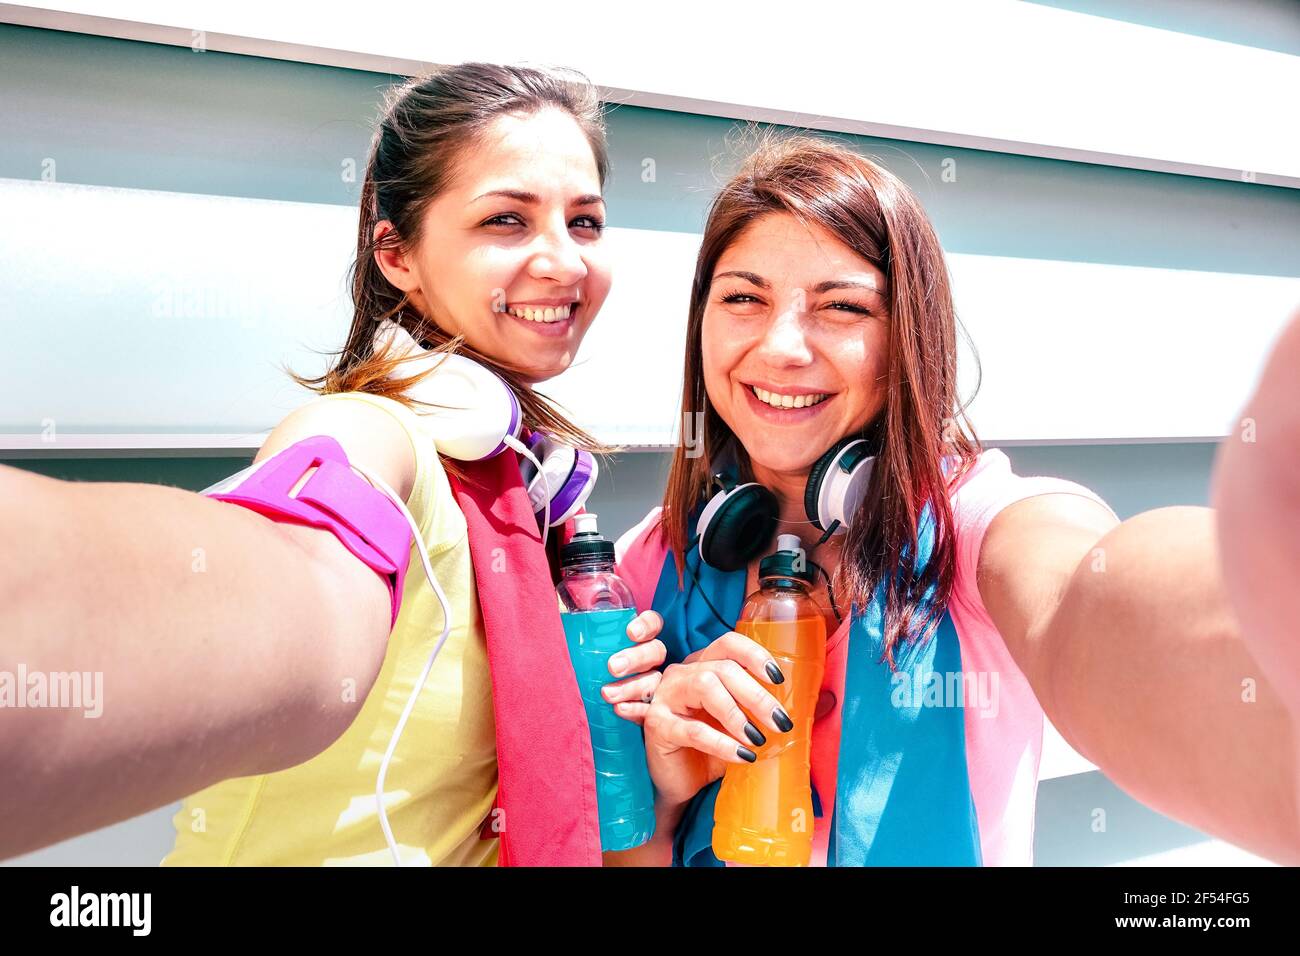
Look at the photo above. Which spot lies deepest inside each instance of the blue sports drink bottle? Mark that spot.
(596, 607)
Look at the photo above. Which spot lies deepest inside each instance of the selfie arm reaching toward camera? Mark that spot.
(1126, 636)
(1257, 498)
(223, 640)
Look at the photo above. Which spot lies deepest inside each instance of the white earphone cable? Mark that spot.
(428, 665)
(379, 483)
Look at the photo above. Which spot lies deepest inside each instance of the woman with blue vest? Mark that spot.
(821, 367)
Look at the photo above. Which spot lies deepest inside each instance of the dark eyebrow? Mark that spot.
(831, 284)
(818, 289)
(520, 195)
(749, 277)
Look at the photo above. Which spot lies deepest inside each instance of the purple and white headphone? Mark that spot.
(473, 415)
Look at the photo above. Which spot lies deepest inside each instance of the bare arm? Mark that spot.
(222, 637)
(1126, 636)
(1257, 498)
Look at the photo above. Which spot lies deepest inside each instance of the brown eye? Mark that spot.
(848, 307)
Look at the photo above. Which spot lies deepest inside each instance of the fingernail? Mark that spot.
(754, 734)
(636, 630)
(607, 692)
(617, 664)
(744, 753)
(782, 720)
(774, 673)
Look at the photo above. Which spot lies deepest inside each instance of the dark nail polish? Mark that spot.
(755, 735)
(745, 753)
(774, 673)
(782, 720)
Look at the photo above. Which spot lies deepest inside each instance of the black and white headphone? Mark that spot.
(739, 520)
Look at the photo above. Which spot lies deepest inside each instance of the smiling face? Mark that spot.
(510, 254)
(793, 340)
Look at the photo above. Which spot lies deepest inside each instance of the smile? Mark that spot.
(777, 400)
(781, 408)
(534, 313)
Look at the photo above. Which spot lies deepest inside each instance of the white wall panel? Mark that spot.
(994, 74)
(135, 319)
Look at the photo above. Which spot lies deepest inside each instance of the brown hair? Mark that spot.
(874, 213)
(426, 127)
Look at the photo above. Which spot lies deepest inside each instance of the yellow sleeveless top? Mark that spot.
(442, 780)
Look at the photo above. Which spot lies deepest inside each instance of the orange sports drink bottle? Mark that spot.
(764, 815)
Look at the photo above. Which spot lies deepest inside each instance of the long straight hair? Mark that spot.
(427, 126)
(877, 216)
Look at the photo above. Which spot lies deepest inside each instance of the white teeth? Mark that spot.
(539, 314)
(787, 401)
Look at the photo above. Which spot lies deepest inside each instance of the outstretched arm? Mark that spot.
(1126, 635)
(215, 663)
(1257, 498)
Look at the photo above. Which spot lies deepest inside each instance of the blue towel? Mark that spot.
(902, 792)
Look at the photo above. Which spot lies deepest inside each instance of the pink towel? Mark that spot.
(546, 775)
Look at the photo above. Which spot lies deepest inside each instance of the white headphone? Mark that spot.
(473, 414)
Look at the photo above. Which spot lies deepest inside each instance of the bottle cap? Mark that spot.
(788, 561)
(587, 543)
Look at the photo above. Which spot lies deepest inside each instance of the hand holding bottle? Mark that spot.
(631, 696)
(697, 722)
(764, 813)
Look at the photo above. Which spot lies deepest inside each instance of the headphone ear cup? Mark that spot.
(569, 499)
(837, 484)
(469, 409)
(570, 475)
(739, 528)
(813, 489)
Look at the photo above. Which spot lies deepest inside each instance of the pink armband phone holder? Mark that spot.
(335, 498)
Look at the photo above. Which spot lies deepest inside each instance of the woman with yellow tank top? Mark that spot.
(269, 687)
